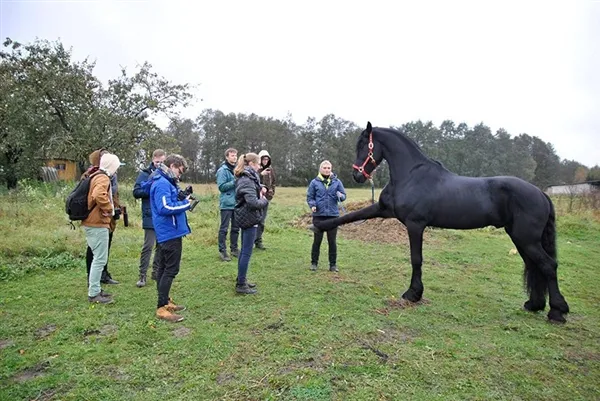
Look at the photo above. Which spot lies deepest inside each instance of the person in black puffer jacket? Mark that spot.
(141, 190)
(250, 203)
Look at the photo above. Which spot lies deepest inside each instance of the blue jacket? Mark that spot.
(226, 185)
(323, 195)
(141, 190)
(168, 213)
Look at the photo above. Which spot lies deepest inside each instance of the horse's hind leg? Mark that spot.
(547, 266)
(415, 235)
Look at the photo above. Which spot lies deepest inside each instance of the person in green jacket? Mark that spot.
(226, 185)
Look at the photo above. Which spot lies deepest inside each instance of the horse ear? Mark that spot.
(369, 127)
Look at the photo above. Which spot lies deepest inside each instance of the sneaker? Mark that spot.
(105, 294)
(313, 267)
(142, 281)
(165, 314)
(245, 289)
(100, 299)
(235, 253)
(224, 256)
(333, 268)
(107, 279)
(259, 245)
(174, 308)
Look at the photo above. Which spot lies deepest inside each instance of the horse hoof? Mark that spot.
(313, 229)
(556, 316)
(411, 296)
(534, 306)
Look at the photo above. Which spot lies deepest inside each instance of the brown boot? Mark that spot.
(164, 314)
(174, 308)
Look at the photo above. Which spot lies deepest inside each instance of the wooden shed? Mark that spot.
(66, 169)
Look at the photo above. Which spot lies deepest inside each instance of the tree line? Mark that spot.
(54, 107)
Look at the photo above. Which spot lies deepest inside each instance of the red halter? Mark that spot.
(361, 169)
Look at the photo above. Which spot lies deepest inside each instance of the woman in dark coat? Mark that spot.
(250, 202)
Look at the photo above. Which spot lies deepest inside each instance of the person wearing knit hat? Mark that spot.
(97, 224)
(94, 159)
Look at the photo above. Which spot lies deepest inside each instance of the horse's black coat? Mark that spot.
(421, 193)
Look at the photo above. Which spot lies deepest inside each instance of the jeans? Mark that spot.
(248, 236)
(226, 217)
(261, 226)
(149, 244)
(169, 259)
(331, 240)
(89, 256)
(97, 239)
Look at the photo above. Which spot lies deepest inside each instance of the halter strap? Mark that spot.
(369, 158)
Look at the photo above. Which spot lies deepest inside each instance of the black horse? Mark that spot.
(421, 193)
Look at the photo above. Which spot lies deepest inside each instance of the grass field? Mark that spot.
(304, 336)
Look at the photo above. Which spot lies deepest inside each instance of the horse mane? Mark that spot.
(402, 133)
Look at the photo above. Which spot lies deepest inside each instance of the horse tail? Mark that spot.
(549, 234)
(535, 280)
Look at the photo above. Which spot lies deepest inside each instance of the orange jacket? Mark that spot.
(100, 199)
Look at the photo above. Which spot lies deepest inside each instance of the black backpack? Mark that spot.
(76, 204)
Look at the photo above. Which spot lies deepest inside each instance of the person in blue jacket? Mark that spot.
(170, 225)
(226, 185)
(142, 191)
(323, 194)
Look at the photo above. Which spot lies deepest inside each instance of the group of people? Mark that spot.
(246, 185)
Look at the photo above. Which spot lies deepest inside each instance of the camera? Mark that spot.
(189, 191)
(117, 214)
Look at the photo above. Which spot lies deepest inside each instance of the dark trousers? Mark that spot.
(261, 226)
(169, 258)
(89, 256)
(331, 240)
(227, 216)
(248, 236)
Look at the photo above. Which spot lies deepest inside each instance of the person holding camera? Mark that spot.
(250, 204)
(322, 197)
(170, 225)
(142, 191)
(226, 185)
(97, 224)
(95, 157)
(267, 179)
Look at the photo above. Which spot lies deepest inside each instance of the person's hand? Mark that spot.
(314, 209)
(263, 190)
(264, 172)
(339, 194)
(107, 214)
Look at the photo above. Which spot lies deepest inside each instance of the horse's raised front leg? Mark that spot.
(366, 213)
(415, 235)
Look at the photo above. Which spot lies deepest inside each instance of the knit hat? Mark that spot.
(109, 163)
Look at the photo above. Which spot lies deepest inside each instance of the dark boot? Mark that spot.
(235, 253)
(107, 279)
(224, 257)
(244, 289)
(142, 281)
(259, 245)
(100, 299)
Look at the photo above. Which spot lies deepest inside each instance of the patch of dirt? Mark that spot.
(45, 331)
(404, 304)
(224, 378)
(387, 231)
(6, 343)
(31, 373)
(181, 331)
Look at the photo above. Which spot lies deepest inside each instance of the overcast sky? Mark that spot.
(525, 66)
